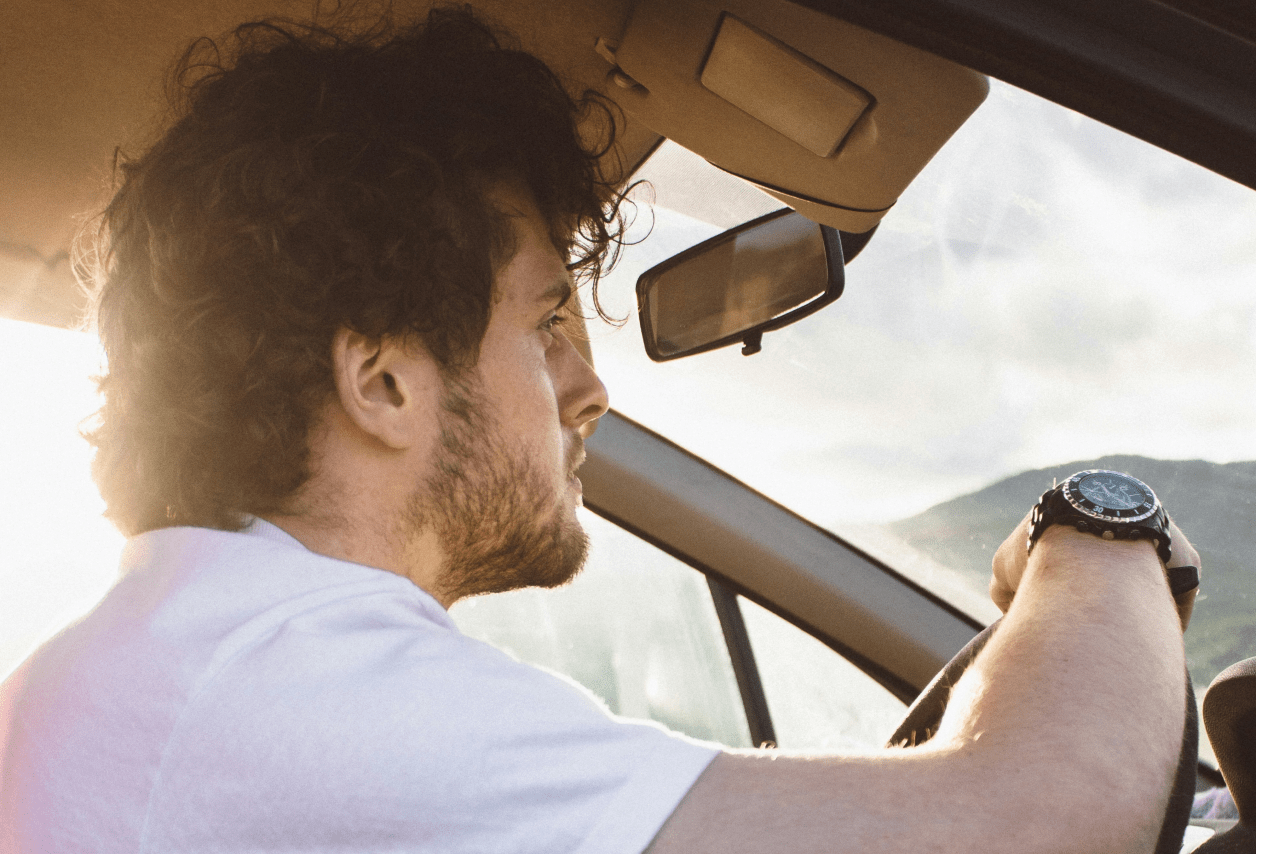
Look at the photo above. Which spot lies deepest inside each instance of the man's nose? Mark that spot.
(580, 394)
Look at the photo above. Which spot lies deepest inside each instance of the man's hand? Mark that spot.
(1010, 562)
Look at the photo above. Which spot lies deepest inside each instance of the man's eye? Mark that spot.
(552, 322)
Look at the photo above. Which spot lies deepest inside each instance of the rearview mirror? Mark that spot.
(757, 277)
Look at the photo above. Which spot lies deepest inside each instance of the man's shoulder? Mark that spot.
(252, 682)
(207, 616)
(237, 580)
(190, 601)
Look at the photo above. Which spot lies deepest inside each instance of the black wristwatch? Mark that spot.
(1114, 506)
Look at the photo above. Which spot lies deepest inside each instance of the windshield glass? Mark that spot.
(1049, 294)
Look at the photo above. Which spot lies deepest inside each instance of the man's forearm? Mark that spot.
(1083, 686)
(1062, 737)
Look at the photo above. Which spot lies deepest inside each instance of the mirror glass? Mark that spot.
(720, 290)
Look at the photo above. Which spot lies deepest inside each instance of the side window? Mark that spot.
(818, 701)
(58, 556)
(637, 628)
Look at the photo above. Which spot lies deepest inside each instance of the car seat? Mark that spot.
(1230, 718)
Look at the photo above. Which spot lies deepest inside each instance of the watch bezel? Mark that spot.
(1083, 504)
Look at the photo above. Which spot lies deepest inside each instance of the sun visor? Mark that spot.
(831, 119)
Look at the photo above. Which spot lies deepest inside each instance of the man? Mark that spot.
(340, 398)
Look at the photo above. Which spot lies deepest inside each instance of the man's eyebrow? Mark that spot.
(561, 292)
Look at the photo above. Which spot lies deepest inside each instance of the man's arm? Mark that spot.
(1062, 736)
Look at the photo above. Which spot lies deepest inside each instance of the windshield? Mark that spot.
(1049, 294)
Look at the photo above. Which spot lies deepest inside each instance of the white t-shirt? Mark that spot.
(236, 692)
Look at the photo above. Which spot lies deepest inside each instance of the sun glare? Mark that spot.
(58, 556)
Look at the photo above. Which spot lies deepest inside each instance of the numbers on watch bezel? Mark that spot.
(1145, 509)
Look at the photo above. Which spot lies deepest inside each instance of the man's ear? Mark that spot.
(383, 386)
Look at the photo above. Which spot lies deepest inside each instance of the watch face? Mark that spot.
(1110, 495)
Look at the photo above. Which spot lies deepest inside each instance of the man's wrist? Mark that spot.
(1083, 554)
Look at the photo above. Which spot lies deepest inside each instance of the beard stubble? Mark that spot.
(501, 524)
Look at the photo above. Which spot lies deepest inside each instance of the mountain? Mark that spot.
(1213, 504)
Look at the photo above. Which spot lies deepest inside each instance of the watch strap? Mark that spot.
(1182, 579)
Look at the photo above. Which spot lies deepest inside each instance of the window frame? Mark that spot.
(888, 626)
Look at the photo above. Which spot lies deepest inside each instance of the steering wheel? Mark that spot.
(925, 714)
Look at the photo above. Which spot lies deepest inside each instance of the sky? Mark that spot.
(1047, 290)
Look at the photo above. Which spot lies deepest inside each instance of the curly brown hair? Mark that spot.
(317, 179)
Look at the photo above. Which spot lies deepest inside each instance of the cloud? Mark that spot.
(1048, 289)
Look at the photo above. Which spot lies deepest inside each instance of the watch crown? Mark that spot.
(1108, 535)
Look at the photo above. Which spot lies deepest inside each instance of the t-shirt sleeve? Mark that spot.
(387, 737)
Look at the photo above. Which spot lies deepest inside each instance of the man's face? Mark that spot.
(502, 496)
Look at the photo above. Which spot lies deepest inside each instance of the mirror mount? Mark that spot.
(852, 244)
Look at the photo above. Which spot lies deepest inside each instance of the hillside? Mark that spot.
(1213, 503)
